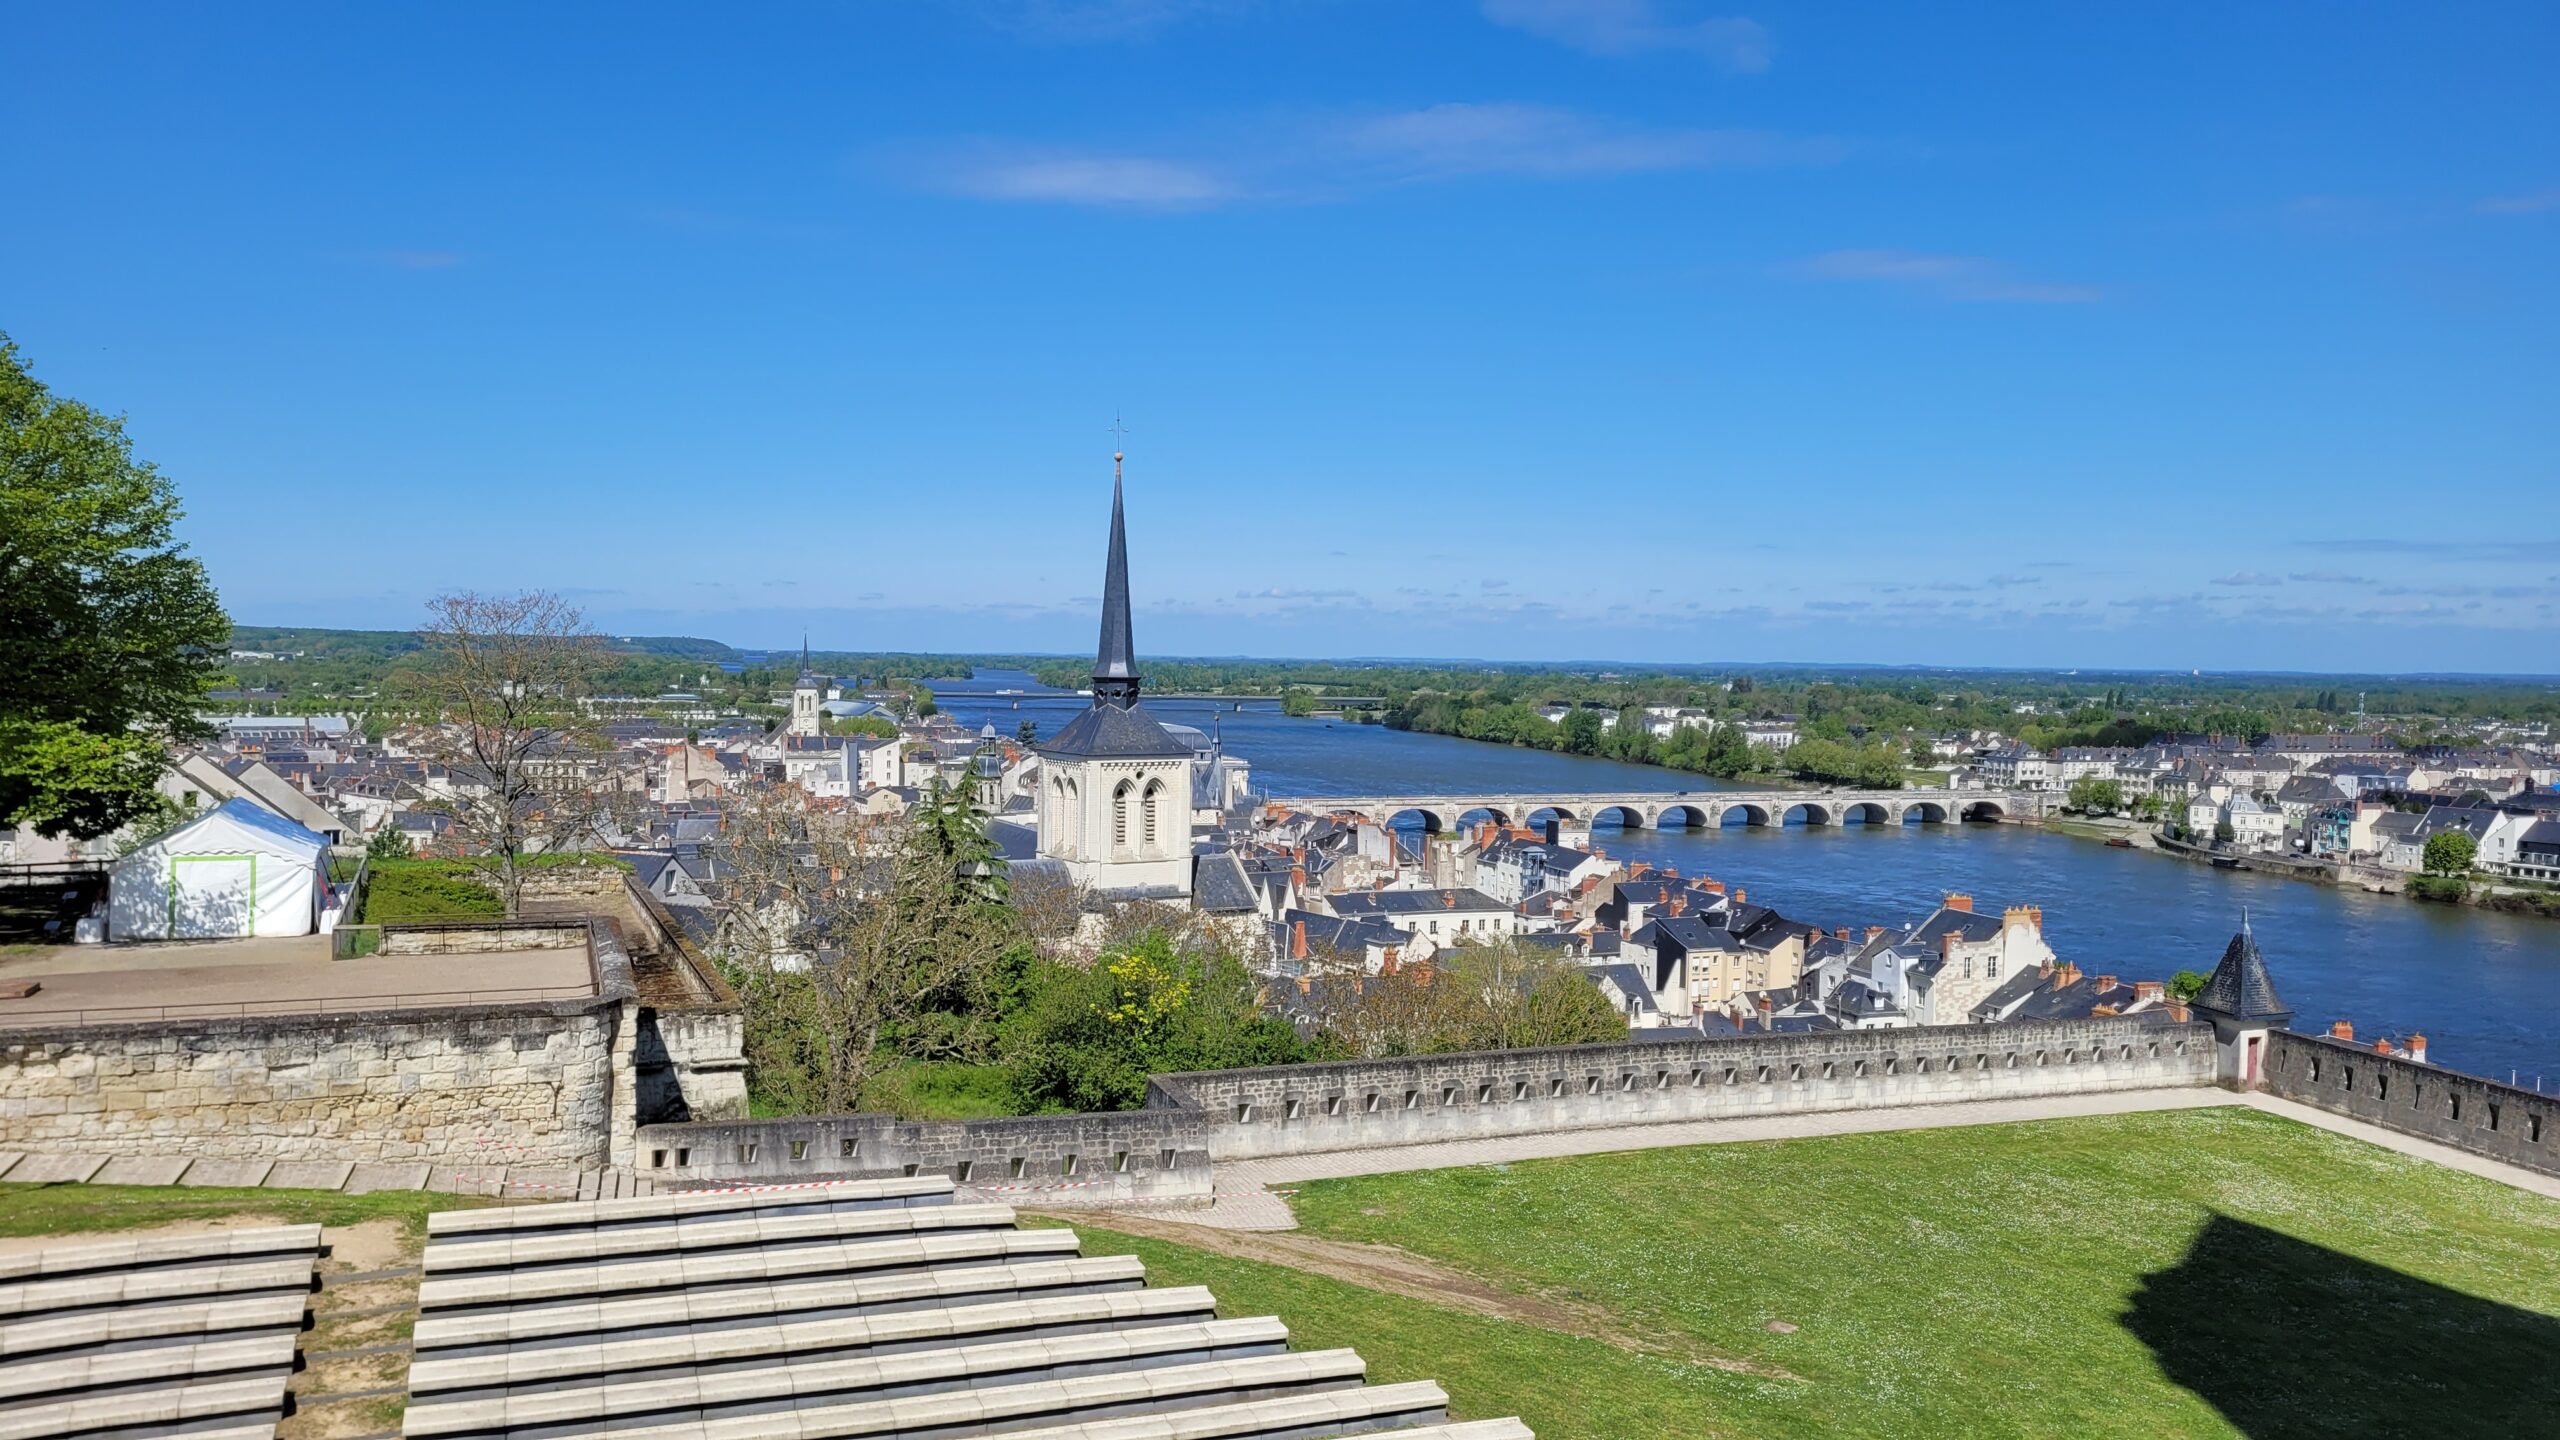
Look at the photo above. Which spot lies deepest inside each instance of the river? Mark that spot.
(2483, 987)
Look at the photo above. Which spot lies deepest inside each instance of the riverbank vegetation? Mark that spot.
(2228, 1272)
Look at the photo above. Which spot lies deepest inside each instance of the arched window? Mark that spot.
(1154, 802)
(1120, 816)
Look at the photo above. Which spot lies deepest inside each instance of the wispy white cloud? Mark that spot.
(2251, 579)
(1950, 277)
(1453, 140)
(993, 170)
(1632, 27)
(1325, 158)
(2537, 203)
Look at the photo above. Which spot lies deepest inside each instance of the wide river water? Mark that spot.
(2484, 988)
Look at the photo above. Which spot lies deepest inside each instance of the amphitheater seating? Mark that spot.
(871, 1309)
(161, 1335)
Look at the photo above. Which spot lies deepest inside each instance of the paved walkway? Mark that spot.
(1253, 1194)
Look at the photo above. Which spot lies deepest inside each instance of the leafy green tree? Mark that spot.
(1028, 732)
(2449, 852)
(2224, 831)
(1582, 731)
(109, 630)
(389, 843)
(2092, 795)
(2187, 984)
(1088, 1038)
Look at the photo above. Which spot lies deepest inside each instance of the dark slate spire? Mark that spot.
(2240, 987)
(1115, 661)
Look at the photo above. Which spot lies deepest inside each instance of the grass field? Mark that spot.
(2194, 1273)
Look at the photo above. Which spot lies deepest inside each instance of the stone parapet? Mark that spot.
(2483, 1117)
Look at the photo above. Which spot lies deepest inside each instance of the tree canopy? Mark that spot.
(109, 629)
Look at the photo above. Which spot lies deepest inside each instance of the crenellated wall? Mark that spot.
(1359, 1104)
(1149, 1155)
(1163, 1152)
(2520, 1127)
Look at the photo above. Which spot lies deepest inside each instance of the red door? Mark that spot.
(2249, 1067)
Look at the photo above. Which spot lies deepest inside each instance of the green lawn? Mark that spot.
(2211, 1272)
(78, 1209)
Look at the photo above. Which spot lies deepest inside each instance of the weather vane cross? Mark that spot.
(1119, 435)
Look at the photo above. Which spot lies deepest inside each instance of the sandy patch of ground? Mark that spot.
(1401, 1272)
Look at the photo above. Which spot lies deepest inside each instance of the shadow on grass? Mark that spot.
(2287, 1339)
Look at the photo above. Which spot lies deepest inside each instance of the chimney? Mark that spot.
(1872, 932)
(1679, 903)
(2101, 1011)
(1947, 944)
(1740, 895)
(1298, 876)
(1960, 902)
(1297, 939)
(2106, 983)
(2149, 990)
(2341, 1030)
(2381, 1046)
(1449, 899)
(1392, 959)
(1767, 1011)
(2177, 1009)
(2418, 1048)
(1712, 887)
(1844, 932)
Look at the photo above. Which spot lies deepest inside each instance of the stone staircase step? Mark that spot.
(1042, 1365)
(72, 1293)
(156, 1412)
(141, 1252)
(835, 1292)
(675, 1205)
(1367, 1410)
(123, 1370)
(690, 1272)
(658, 1242)
(804, 1343)
(51, 1331)
(996, 1409)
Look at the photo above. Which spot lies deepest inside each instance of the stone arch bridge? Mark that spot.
(1706, 809)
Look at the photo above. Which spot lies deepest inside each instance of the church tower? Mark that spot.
(1115, 786)
(806, 692)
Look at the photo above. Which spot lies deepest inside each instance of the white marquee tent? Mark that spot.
(238, 869)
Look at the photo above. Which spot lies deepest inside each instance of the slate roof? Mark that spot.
(1414, 902)
(1219, 885)
(1109, 730)
(2240, 987)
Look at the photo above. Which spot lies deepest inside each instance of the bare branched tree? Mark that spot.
(524, 770)
(855, 943)
(1498, 996)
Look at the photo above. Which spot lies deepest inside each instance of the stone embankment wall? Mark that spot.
(1140, 1155)
(482, 937)
(528, 1083)
(1162, 1153)
(1358, 1104)
(2501, 1122)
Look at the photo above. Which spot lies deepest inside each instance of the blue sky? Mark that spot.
(2163, 336)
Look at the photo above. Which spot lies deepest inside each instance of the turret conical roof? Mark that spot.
(2240, 987)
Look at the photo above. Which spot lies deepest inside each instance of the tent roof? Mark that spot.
(242, 820)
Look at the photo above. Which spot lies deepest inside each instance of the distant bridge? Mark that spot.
(1701, 810)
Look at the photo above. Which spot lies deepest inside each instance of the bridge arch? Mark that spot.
(1748, 813)
(1422, 817)
(1866, 812)
(1923, 812)
(1533, 818)
(1815, 812)
(1494, 813)
(1631, 817)
(1683, 816)
(1986, 810)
